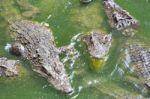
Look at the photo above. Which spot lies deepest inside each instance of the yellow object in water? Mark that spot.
(97, 64)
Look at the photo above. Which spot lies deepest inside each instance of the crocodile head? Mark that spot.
(8, 67)
(98, 44)
(50, 67)
(120, 19)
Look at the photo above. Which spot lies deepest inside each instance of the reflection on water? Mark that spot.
(68, 19)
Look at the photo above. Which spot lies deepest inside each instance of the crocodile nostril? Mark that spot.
(70, 92)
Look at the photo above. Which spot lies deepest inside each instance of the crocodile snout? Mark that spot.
(70, 91)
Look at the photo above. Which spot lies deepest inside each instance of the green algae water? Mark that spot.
(68, 18)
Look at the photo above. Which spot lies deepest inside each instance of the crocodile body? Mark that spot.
(8, 67)
(118, 18)
(98, 44)
(139, 58)
(39, 47)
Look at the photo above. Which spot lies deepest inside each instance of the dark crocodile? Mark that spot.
(120, 19)
(36, 43)
(8, 67)
(138, 57)
(98, 44)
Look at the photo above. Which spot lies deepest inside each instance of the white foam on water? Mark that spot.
(75, 96)
(75, 54)
(112, 73)
(80, 88)
(45, 24)
(45, 86)
(71, 57)
(121, 71)
(71, 76)
(127, 60)
(68, 4)
(7, 47)
(90, 82)
(49, 16)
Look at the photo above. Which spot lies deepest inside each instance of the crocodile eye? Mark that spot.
(106, 38)
(36, 50)
(90, 38)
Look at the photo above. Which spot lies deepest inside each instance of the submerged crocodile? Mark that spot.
(138, 58)
(22, 10)
(8, 67)
(98, 44)
(35, 42)
(120, 19)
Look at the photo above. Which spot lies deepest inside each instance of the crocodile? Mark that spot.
(138, 58)
(23, 10)
(28, 10)
(98, 44)
(35, 42)
(8, 67)
(119, 18)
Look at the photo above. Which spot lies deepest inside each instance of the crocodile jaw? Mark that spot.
(55, 75)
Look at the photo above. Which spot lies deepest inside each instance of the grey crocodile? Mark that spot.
(35, 42)
(138, 58)
(98, 44)
(120, 19)
(8, 67)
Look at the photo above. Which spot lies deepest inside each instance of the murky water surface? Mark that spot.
(68, 18)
